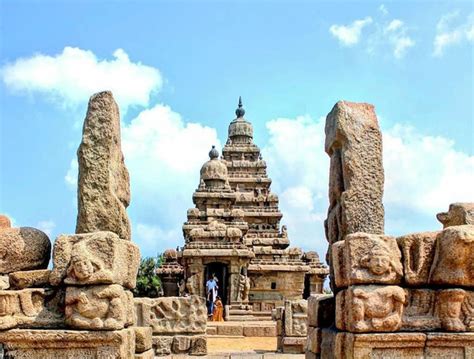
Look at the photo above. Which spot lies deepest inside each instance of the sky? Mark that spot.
(177, 68)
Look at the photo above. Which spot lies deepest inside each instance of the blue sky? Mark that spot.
(177, 69)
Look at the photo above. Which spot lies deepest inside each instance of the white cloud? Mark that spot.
(349, 35)
(450, 31)
(425, 173)
(46, 226)
(383, 9)
(396, 34)
(392, 34)
(71, 77)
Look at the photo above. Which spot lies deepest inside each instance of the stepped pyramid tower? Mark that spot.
(234, 233)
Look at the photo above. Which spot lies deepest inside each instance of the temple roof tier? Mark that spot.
(284, 267)
(218, 252)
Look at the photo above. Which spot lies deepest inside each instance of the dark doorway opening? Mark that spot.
(220, 271)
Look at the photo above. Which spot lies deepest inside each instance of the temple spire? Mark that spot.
(240, 112)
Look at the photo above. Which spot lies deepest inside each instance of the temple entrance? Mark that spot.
(220, 271)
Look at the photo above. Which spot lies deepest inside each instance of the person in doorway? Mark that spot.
(218, 315)
(211, 289)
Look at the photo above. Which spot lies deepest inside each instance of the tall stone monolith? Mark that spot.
(104, 184)
(356, 178)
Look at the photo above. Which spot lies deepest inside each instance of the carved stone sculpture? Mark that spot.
(104, 183)
(102, 307)
(450, 302)
(458, 214)
(193, 284)
(23, 248)
(418, 250)
(172, 315)
(95, 258)
(453, 263)
(32, 308)
(370, 308)
(367, 258)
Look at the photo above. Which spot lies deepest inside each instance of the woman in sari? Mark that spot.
(218, 315)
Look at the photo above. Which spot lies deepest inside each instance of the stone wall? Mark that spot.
(178, 323)
(417, 289)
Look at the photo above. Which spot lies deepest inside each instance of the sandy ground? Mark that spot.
(230, 344)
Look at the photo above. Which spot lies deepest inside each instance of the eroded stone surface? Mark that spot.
(321, 310)
(4, 282)
(453, 262)
(356, 177)
(370, 308)
(418, 251)
(32, 308)
(104, 183)
(5, 222)
(458, 214)
(101, 307)
(172, 315)
(95, 258)
(28, 279)
(365, 259)
(31, 343)
(23, 248)
(143, 339)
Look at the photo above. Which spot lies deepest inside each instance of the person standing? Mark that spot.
(211, 288)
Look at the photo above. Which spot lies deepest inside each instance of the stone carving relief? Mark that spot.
(193, 284)
(420, 310)
(100, 307)
(458, 214)
(453, 263)
(418, 250)
(370, 308)
(33, 308)
(172, 315)
(95, 258)
(295, 317)
(367, 258)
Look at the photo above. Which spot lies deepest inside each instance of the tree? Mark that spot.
(148, 283)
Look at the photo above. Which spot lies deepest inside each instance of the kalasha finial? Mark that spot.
(240, 112)
(213, 153)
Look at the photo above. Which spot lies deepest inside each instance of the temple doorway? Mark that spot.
(220, 272)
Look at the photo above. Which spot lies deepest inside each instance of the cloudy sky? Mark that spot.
(177, 69)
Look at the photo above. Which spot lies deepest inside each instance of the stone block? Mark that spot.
(236, 330)
(453, 262)
(181, 344)
(143, 339)
(419, 313)
(23, 248)
(295, 318)
(32, 308)
(102, 307)
(198, 345)
(294, 345)
(40, 343)
(418, 251)
(356, 177)
(251, 330)
(458, 214)
(313, 344)
(321, 310)
(4, 282)
(95, 258)
(30, 279)
(310, 355)
(370, 308)
(211, 330)
(162, 344)
(149, 354)
(104, 183)
(342, 345)
(172, 315)
(367, 259)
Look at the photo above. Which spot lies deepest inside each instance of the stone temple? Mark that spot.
(234, 232)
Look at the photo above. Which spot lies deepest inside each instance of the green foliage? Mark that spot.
(148, 283)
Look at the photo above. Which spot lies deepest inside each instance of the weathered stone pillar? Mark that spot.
(104, 185)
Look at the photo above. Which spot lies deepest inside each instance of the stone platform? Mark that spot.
(242, 329)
